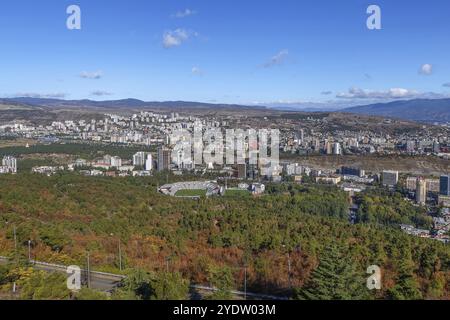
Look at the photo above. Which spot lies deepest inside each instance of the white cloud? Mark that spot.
(426, 69)
(101, 93)
(277, 59)
(197, 71)
(174, 38)
(447, 85)
(326, 93)
(184, 13)
(91, 75)
(393, 93)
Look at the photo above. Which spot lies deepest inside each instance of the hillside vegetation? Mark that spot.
(208, 240)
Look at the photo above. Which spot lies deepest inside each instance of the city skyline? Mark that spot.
(311, 55)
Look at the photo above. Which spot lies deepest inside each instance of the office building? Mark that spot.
(139, 159)
(389, 178)
(163, 158)
(149, 163)
(349, 171)
(116, 162)
(242, 171)
(337, 150)
(10, 164)
(444, 185)
(421, 191)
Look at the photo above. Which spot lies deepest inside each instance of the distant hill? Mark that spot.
(425, 110)
(120, 104)
(429, 110)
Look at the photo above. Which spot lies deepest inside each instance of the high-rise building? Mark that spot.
(328, 147)
(436, 147)
(253, 172)
(444, 185)
(389, 178)
(107, 159)
(433, 185)
(10, 164)
(410, 146)
(149, 163)
(116, 162)
(349, 171)
(421, 191)
(302, 135)
(411, 183)
(242, 171)
(139, 159)
(163, 158)
(337, 148)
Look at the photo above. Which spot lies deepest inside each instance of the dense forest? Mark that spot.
(293, 241)
(88, 151)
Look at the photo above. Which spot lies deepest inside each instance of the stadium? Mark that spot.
(192, 189)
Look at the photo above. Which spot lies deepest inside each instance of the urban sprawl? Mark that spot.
(161, 131)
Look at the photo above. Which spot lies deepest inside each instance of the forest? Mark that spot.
(294, 241)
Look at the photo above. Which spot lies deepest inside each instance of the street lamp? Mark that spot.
(289, 266)
(120, 252)
(245, 282)
(14, 234)
(29, 250)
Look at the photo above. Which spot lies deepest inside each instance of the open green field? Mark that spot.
(237, 193)
(191, 193)
(87, 151)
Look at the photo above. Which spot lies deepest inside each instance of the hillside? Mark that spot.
(429, 110)
(121, 104)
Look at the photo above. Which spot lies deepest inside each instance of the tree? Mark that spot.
(44, 286)
(335, 278)
(4, 274)
(89, 294)
(221, 278)
(406, 287)
(152, 286)
(170, 286)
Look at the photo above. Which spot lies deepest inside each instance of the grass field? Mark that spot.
(237, 193)
(82, 150)
(191, 193)
(5, 143)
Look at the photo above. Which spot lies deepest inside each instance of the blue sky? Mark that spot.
(228, 51)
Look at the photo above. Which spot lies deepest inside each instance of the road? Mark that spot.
(99, 280)
(107, 281)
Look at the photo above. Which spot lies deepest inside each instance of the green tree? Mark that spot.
(406, 287)
(169, 286)
(221, 278)
(335, 278)
(153, 286)
(89, 294)
(44, 286)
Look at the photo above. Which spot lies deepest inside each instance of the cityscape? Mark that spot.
(234, 180)
(161, 131)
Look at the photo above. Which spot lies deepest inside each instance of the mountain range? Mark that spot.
(116, 104)
(423, 110)
(427, 110)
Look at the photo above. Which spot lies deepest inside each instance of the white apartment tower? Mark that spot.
(149, 163)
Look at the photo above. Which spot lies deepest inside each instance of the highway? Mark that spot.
(106, 282)
(98, 280)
